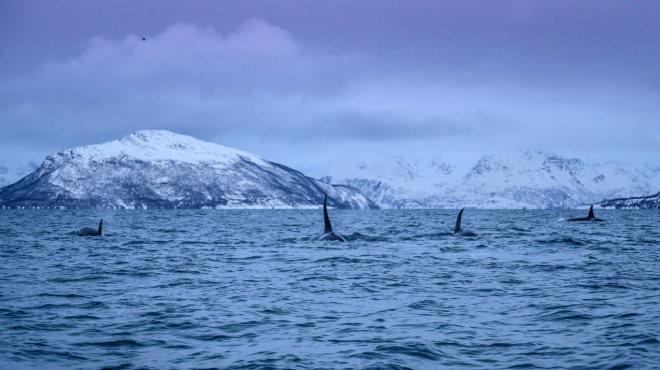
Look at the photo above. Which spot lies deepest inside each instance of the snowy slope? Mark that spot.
(503, 180)
(160, 169)
(646, 202)
(393, 181)
(624, 180)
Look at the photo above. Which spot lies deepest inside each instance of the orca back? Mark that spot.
(590, 217)
(458, 222)
(88, 231)
(326, 219)
(330, 236)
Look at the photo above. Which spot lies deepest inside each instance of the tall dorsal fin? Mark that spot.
(591, 212)
(458, 221)
(101, 227)
(328, 227)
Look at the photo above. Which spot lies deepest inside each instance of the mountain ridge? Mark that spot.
(509, 179)
(161, 169)
(643, 202)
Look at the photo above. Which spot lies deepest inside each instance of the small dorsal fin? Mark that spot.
(328, 227)
(101, 227)
(591, 212)
(458, 221)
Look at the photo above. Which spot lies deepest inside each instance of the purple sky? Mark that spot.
(303, 82)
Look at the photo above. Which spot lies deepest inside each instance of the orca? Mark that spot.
(327, 234)
(457, 229)
(90, 231)
(590, 217)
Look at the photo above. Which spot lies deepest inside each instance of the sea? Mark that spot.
(248, 289)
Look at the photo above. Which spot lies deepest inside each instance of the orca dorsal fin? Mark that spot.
(591, 212)
(328, 227)
(458, 221)
(101, 227)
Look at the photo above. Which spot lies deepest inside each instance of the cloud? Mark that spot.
(185, 76)
(256, 59)
(390, 126)
(184, 48)
(263, 90)
(192, 80)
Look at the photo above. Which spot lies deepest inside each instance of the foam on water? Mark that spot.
(248, 289)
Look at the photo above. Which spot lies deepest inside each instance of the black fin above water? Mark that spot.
(458, 221)
(590, 217)
(328, 227)
(101, 227)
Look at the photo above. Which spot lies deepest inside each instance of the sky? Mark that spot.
(304, 82)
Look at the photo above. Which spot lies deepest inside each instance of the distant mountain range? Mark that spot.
(161, 169)
(647, 202)
(519, 179)
(9, 175)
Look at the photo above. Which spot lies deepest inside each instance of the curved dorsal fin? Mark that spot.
(101, 227)
(458, 221)
(591, 212)
(328, 227)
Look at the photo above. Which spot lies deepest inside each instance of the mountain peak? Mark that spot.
(161, 169)
(156, 135)
(158, 146)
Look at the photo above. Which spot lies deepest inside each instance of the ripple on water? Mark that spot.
(221, 289)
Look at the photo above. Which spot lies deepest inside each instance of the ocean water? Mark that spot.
(246, 289)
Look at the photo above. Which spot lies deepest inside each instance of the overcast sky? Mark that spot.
(303, 82)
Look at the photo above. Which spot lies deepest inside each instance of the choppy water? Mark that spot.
(247, 289)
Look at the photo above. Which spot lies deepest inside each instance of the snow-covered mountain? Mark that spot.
(502, 180)
(394, 181)
(647, 202)
(160, 169)
(9, 175)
